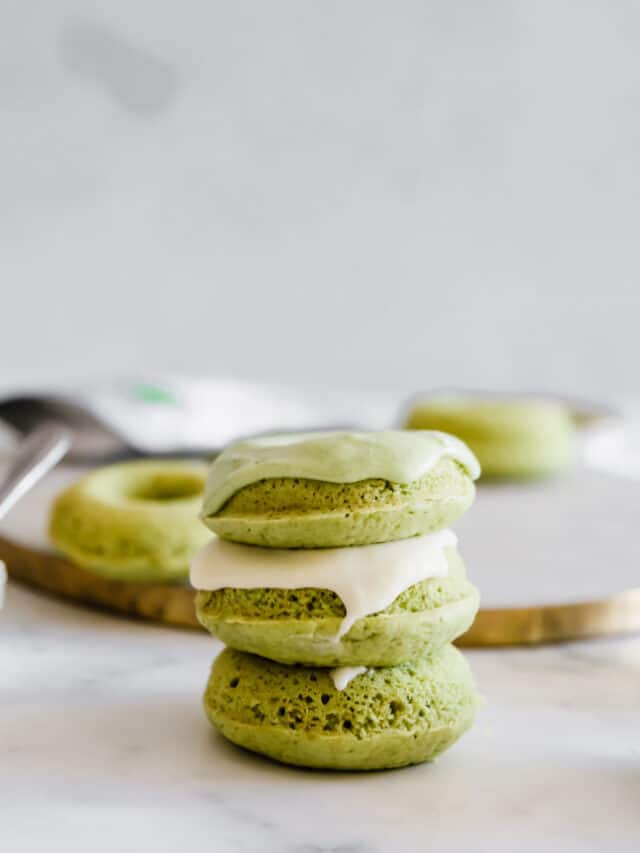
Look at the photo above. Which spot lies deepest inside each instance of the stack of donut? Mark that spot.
(335, 582)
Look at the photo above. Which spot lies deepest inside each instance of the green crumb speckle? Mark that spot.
(302, 513)
(300, 625)
(387, 717)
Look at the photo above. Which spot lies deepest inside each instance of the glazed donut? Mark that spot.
(133, 520)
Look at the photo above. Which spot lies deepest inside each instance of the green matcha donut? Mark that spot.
(300, 625)
(512, 437)
(387, 717)
(330, 490)
(134, 520)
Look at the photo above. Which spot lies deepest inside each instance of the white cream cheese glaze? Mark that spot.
(367, 579)
(399, 456)
(344, 675)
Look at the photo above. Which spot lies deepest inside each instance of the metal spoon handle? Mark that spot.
(40, 451)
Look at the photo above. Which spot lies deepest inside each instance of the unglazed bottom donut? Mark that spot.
(384, 718)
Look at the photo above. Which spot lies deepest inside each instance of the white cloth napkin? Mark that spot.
(171, 413)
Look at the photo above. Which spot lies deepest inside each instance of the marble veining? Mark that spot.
(102, 733)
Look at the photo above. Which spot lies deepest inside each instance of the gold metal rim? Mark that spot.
(553, 623)
(173, 604)
(167, 603)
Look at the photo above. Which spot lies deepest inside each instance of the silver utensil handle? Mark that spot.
(40, 451)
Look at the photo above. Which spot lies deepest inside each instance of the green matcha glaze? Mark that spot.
(300, 626)
(396, 456)
(303, 513)
(387, 717)
(134, 520)
(512, 437)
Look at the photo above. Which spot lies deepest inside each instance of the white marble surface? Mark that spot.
(104, 746)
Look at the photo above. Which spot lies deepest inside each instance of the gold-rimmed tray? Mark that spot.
(554, 560)
(173, 604)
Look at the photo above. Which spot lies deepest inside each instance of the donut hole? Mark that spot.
(166, 486)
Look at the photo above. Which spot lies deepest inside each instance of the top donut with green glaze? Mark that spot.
(335, 489)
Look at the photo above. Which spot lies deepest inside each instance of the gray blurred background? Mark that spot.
(380, 194)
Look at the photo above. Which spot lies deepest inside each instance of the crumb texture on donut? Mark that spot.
(300, 625)
(301, 513)
(306, 604)
(280, 496)
(385, 717)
